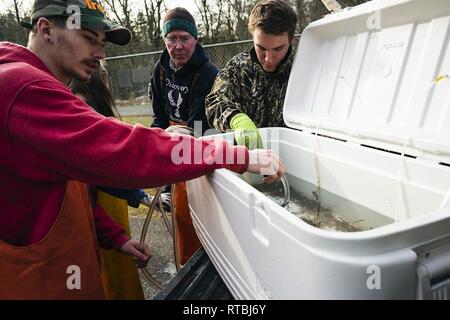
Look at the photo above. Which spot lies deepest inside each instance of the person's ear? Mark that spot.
(44, 29)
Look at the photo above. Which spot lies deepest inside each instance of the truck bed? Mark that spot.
(197, 280)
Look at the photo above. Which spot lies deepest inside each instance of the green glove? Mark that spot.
(245, 132)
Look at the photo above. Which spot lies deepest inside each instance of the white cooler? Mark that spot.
(368, 111)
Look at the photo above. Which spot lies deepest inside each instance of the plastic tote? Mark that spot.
(368, 111)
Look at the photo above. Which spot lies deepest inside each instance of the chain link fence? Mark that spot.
(130, 75)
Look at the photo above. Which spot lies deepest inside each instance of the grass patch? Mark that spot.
(146, 121)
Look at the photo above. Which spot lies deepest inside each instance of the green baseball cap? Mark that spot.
(90, 13)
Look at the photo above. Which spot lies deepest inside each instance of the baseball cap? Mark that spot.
(91, 15)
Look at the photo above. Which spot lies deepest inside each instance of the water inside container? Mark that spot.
(331, 213)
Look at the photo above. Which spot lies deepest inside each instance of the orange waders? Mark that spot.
(66, 257)
(187, 240)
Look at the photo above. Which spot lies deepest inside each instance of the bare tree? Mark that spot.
(216, 30)
(114, 9)
(311, 10)
(224, 20)
(153, 13)
(122, 12)
(302, 13)
(241, 9)
(17, 9)
(206, 15)
(12, 19)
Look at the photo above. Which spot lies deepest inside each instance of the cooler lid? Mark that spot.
(377, 74)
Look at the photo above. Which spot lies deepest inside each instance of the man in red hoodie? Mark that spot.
(52, 144)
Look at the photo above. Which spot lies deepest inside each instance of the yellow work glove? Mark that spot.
(245, 132)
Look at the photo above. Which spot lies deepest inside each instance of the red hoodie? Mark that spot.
(49, 136)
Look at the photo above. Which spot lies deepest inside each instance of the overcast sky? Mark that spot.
(188, 4)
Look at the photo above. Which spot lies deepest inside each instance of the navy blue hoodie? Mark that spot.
(179, 96)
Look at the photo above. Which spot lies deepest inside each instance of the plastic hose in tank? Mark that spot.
(287, 191)
(170, 228)
(255, 179)
(146, 273)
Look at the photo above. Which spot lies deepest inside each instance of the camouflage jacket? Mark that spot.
(244, 87)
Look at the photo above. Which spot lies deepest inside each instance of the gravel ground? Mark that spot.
(161, 265)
